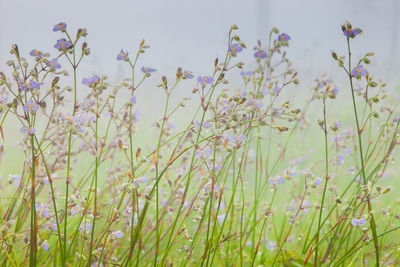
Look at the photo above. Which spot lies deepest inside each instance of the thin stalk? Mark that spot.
(95, 178)
(68, 178)
(33, 241)
(359, 132)
(325, 185)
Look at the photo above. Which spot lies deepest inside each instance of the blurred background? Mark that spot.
(192, 33)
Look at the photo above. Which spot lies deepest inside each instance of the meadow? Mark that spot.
(232, 176)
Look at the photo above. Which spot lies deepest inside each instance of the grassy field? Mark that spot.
(238, 175)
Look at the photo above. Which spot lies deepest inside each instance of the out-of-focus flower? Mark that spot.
(352, 32)
(140, 180)
(86, 103)
(30, 86)
(204, 80)
(36, 53)
(42, 209)
(206, 124)
(75, 210)
(147, 71)
(203, 152)
(122, 55)
(45, 245)
(119, 234)
(63, 44)
(358, 222)
(60, 27)
(187, 74)
(276, 180)
(208, 188)
(283, 37)
(92, 81)
(291, 172)
(336, 126)
(235, 48)
(53, 64)
(359, 72)
(14, 179)
(271, 245)
(31, 106)
(85, 227)
(318, 181)
(246, 73)
(27, 130)
(276, 90)
(260, 54)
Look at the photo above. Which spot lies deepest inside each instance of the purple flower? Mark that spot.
(36, 53)
(255, 103)
(30, 86)
(91, 81)
(60, 27)
(318, 181)
(45, 245)
(206, 124)
(147, 70)
(133, 99)
(359, 72)
(42, 209)
(291, 172)
(260, 54)
(334, 92)
(122, 55)
(352, 32)
(203, 152)
(140, 180)
(276, 180)
(53, 64)
(340, 159)
(85, 227)
(221, 218)
(283, 37)
(235, 48)
(337, 124)
(76, 209)
(27, 130)
(238, 139)
(14, 179)
(247, 73)
(271, 245)
(187, 74)
(358, 222)
(276, 90)
(265, 92)
(208, 188)
(31, 106)
(63, 44)
(34, 85)
(86, 103)
(52, 226)
(205, 80)
(119, 234)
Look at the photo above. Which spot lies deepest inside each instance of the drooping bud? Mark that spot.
(179, 73)
(334, 55)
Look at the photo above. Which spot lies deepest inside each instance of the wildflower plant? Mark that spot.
(226, 186)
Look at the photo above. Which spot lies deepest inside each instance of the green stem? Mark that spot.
(33, 241)
(359, 132)
(325, 185)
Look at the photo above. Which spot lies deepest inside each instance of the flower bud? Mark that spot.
(334, 55)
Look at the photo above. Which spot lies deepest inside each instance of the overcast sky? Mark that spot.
(192, 33)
